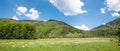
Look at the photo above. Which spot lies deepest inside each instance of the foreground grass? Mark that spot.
(63, 44)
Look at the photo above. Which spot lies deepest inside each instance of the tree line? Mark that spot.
(50, 29)
(17, 30)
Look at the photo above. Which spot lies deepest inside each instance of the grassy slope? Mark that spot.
(63, 44)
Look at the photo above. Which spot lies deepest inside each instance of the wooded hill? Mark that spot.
(106, 30)
(30, 29)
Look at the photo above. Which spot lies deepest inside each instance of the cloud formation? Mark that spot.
(15, 18)
(103, 10)
(82, 27)
(21, 10)
(115, 14)
(113, 5)
(104, 23)
(32, 14)
(69, 7)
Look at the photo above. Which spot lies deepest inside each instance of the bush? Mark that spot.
(72, 35)
(17, 30)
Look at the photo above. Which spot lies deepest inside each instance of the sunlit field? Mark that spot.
(61, 44)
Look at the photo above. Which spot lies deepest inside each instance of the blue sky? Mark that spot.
(82, 14)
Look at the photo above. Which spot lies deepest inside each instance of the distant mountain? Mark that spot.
(107, 29)
(7, 19)
(112, 24)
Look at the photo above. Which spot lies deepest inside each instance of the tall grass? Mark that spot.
(63, 44)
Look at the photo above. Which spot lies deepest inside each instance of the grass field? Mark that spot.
(60, 44)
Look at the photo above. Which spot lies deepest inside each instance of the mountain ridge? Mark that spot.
(106, 30)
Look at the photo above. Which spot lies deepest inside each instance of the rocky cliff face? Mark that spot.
(113, 24)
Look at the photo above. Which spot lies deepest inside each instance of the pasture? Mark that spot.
(60, 44)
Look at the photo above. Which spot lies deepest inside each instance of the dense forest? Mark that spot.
(31, 29)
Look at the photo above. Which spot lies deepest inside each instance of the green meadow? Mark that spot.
(60, 44)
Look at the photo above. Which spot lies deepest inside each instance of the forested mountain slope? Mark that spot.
(48, 29)
(107, 29)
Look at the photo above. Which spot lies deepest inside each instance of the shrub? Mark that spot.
(17, 30)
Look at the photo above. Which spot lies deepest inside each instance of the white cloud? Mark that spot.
(45, 20)
(104, 23)
(115, 14)
(19, 13)
(69, 7)
(15, 18)
(82, 27)
(21, 10)
(103, 10)
(113, 5)
(34, 14)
